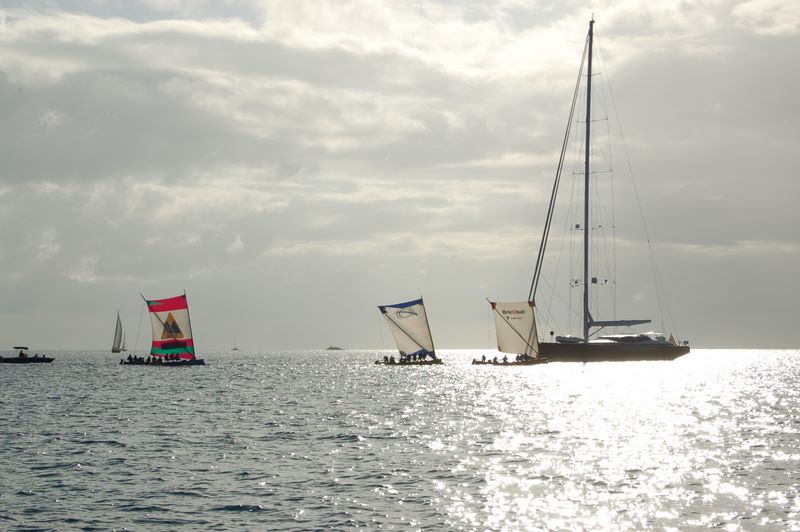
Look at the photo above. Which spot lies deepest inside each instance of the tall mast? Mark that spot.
(586, 188)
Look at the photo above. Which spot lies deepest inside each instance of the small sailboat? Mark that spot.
(173, 344)
(408, 323)
(515, 326)
(24, 358)
(234, 348)
(588, 345)
(117, 345)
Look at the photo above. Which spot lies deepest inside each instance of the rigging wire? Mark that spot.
(138, 329)
(660, 288)
(548, 220)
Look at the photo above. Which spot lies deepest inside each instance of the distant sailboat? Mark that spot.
(412, 334)
(234, 345)
(119, 336)
(173, 344)
(515, 326)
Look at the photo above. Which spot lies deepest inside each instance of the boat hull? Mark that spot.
(417, 363)
(610, 352)
(26, 360)
(533, 362)
(170, 364)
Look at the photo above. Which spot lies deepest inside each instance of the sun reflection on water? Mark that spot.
(623, 446)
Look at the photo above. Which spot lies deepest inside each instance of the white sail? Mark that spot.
(515, 325)
(409, 325)
(115, 347)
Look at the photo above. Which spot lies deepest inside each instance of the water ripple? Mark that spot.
(319, 440)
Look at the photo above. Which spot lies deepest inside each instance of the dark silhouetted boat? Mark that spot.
(24, 358)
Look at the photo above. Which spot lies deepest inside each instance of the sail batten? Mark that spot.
(515, 326)
(408, 323)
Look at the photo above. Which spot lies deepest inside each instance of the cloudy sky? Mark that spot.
(293, 164)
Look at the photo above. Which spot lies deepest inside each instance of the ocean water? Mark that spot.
(312, 440)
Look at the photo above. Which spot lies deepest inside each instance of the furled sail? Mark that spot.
(516, 328)
(409, 325)
(172, 330)
(116, 346)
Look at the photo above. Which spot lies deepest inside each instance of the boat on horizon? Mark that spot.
(24, 358)
(408, 323)
(173, 344)
(589, 345)
(117, 346)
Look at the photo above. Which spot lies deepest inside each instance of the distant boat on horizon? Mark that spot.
(408, 323)
(234, 348)
(118, 345)
(23, 358)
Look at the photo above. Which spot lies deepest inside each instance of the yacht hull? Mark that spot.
(610, 352)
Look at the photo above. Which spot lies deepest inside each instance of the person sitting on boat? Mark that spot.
(494, 360)
(391, 360)
(22, 354)
(385, 359)
(483, 358)
(130, 359)
(505, 359)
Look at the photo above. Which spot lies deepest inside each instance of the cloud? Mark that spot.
(236, 246)
(768, 17)
(294, 150)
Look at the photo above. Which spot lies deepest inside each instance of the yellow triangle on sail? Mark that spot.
(171, 329)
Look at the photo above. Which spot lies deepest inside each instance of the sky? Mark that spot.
(292, 164)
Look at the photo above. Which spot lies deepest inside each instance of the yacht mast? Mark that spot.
(586, 316)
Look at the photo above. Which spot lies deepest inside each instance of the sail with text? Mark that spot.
(515, 326)
(409, 325)
(172, 329)
(117, 346)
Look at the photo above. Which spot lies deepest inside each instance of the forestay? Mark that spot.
(409, 325)
(516, 328)
(172, 329)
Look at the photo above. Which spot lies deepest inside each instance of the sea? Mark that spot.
(311, 440)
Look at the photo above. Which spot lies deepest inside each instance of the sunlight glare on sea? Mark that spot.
(320, 439)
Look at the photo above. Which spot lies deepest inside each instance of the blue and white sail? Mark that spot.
(515, 326)
(409, 325)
